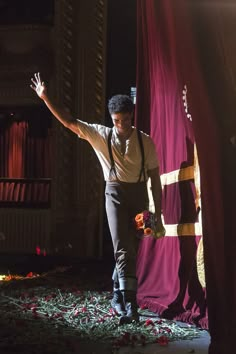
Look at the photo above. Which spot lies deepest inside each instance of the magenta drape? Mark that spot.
(182, 43)
(191, 43)
(168, 282)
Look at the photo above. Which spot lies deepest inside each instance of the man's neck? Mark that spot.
(126, 135)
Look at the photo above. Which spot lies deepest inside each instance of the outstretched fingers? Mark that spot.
(36, 80)
(37, 77)
(34, 83)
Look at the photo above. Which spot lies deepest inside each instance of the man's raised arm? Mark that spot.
(59, 113)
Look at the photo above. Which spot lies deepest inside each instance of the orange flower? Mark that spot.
(139, 225)
(139, 217)
(147, 231)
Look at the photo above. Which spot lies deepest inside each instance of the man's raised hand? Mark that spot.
(38, 86)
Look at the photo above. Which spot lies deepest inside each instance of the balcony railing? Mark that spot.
(21, 192)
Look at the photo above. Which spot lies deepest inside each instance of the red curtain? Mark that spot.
(23, 153)
(25, 164)
(184, 43)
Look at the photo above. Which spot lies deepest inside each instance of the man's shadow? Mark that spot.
(187, 272)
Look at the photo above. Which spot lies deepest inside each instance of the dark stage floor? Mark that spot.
(64, 277)
(24, 263)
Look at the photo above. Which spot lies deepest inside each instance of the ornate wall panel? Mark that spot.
(79, 84)
(24, 49)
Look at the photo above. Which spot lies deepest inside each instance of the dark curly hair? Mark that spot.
(120, 104)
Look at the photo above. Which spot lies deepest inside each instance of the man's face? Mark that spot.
(122, 122)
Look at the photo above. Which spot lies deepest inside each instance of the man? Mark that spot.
(128, 158)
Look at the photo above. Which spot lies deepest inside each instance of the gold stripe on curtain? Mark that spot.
(183, 174)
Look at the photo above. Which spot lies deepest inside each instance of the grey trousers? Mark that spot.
(123, 202)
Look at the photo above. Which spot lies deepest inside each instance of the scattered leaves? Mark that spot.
(35, 315)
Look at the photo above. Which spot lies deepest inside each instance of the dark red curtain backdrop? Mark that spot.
(168, 281)
(25, 150)
(25, 162)
(184, 43)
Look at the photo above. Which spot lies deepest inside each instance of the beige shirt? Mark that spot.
(128, 164)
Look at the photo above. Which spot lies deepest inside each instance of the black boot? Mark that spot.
(131, 308)
(117, 303)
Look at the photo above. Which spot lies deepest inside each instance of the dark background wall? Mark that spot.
(121, 36)
(121, 65)
(121, 47)
(14, 12)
